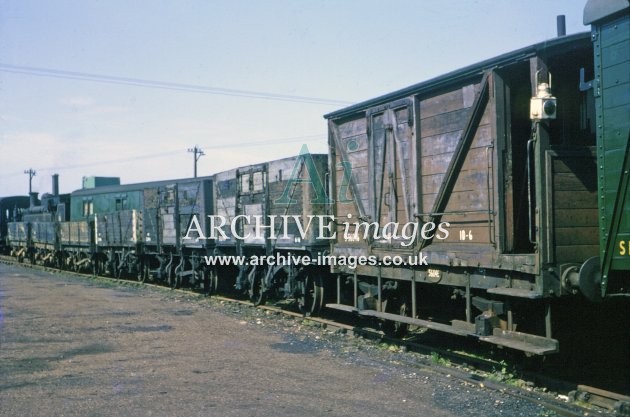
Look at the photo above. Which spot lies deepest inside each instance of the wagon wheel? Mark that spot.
(118, 270)
(174, 279)
(210, 281)
(395, 305)
(143, 272)
(168, 274)
(99, 267)
(75, 263)
(257, 293)
(311, 298)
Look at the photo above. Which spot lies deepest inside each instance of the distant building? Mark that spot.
(93, 182)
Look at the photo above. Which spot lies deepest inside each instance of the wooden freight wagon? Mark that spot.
(117, 238)
(456, 188)
(140, 228)
(9, 209)
(77, 242)
(169, 209)
(44, 241)
(175, 224)
(18, 239)
(287, 187)
(262, 208)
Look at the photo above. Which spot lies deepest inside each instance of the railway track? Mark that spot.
(475, 370)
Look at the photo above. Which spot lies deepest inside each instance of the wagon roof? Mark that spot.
(229, 172)
(134, 187)
(14, 199)
(550, 47)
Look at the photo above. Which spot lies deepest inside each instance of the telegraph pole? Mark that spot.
(197, 153)
(31, 173)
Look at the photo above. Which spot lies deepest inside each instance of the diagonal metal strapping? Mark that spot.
(459, 155)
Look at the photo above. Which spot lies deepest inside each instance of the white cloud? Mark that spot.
(77, 102)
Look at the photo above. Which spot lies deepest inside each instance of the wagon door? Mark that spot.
(391, 182)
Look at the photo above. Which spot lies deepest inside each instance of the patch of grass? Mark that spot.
(504, 374)
(439, 360)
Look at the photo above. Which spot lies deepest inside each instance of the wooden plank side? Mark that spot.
(467, 201)
(576, 253)
(443, 123)
(461, 201)
(571, 182)
(574, 200)
(352, 128)
(575, 217)
(443, 103)
(355, 143)
(471, 218)
(471, 233)
(468, 180)
(567, 236)
(476, 160)
(449, 122)
(449, 101)
(358, 161)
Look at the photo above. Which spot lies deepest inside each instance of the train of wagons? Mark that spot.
(470, 203)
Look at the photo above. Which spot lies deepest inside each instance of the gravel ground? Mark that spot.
(84, 347)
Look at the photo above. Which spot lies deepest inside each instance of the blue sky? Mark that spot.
(340, 51)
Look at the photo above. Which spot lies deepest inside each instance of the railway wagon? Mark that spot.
(9, 207)
(18, 239)
(171, 250)
(611, 82)
(33, 231)
(139, 228)
(472, 197)
(75, 245)
(44, 241)
(274, 210)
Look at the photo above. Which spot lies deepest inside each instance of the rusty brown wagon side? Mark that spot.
(508, 204)
(283, 195)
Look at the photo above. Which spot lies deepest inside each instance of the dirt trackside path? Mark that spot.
(80, 347)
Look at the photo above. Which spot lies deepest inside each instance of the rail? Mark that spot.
(460, 366)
